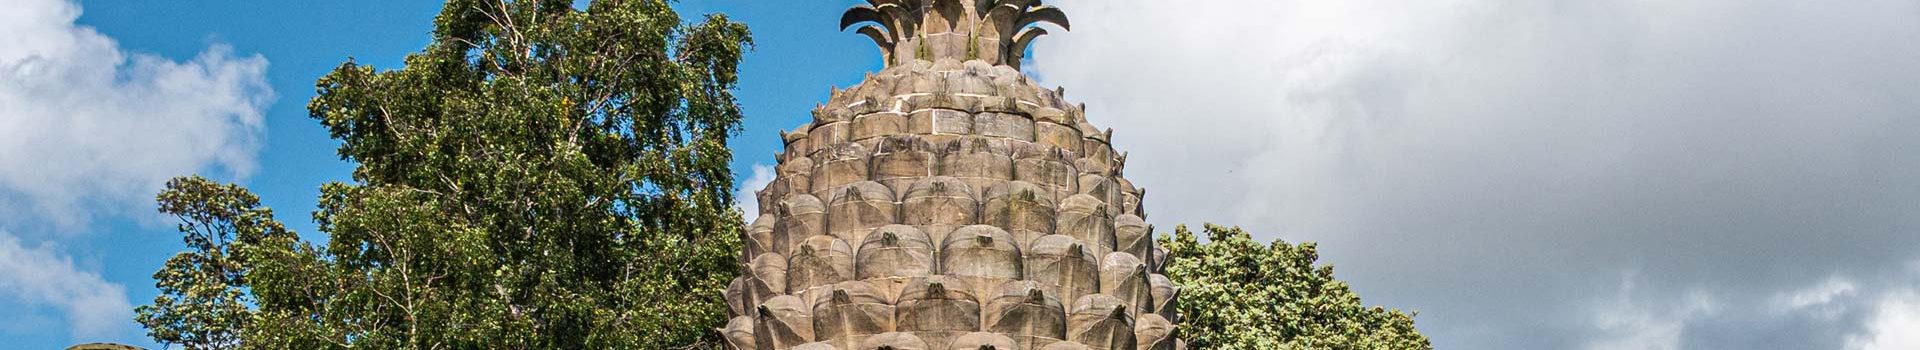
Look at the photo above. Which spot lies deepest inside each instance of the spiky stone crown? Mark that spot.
(996, 31)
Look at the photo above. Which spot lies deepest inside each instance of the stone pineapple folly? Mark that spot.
(948, 202)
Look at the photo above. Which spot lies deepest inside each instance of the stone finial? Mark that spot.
(996, 31)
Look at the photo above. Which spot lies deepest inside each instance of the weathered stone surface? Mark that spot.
(1101, 322)
(939, 309)
(771, 269)
(1064, 267)
(895, 251)
(851, 312)
(1132, 235)
(860, 208)
(782, 323)
(1059, 136)
(844, 164)
(949, 202)
(983, 255)
(1124, 277)
(815, 346)
(902, 159)
(819, 261)
(764, 236)
(739, 332)
(1048, 167)
(1166, 301)
(802, 216)
(982, 163)
(878, 125)
(938, 205)
(1085, 218)
(940, 122)
(1021, 208)
(745, 293)
(1065, 345)
(983, 340)
(1027, 313)
(1152, 332)
(1005, 125)
(893, 341)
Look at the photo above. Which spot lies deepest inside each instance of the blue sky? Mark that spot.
(799, 55)
(1527, 174)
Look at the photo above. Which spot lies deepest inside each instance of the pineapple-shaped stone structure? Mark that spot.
(949, 202)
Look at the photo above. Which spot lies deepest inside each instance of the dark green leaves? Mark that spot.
(1239, 294)
(537, 177)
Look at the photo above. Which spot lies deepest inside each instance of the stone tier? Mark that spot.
(950, 205)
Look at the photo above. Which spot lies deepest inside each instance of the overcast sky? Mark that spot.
(1542, 174)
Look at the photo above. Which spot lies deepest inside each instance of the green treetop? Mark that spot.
(1239, 294)
(539, 176)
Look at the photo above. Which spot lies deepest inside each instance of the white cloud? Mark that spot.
(88, 129)
(1895, 325)
(1487, 161)
(1825, 300)
(40, 276)
(745, 199)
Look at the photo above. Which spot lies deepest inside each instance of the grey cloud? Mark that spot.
(1500, 165)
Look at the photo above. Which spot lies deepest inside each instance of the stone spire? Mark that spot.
(949, 202)
(995, 31)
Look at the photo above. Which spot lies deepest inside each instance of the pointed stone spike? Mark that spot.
(840, 297)
(936, 288)
(1108, 135)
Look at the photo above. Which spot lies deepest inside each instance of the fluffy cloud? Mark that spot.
(40, 276)
(87, 129)
(1893, 327)
(745, 198)
(1496, 164)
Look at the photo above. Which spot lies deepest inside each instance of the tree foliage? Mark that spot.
(1239, 294)
(539, 176)
(203, 303)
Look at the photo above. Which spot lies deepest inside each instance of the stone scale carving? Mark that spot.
(949, 202)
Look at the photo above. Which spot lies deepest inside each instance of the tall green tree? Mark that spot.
(1237, 293)
(203, 303)
(539, 176)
